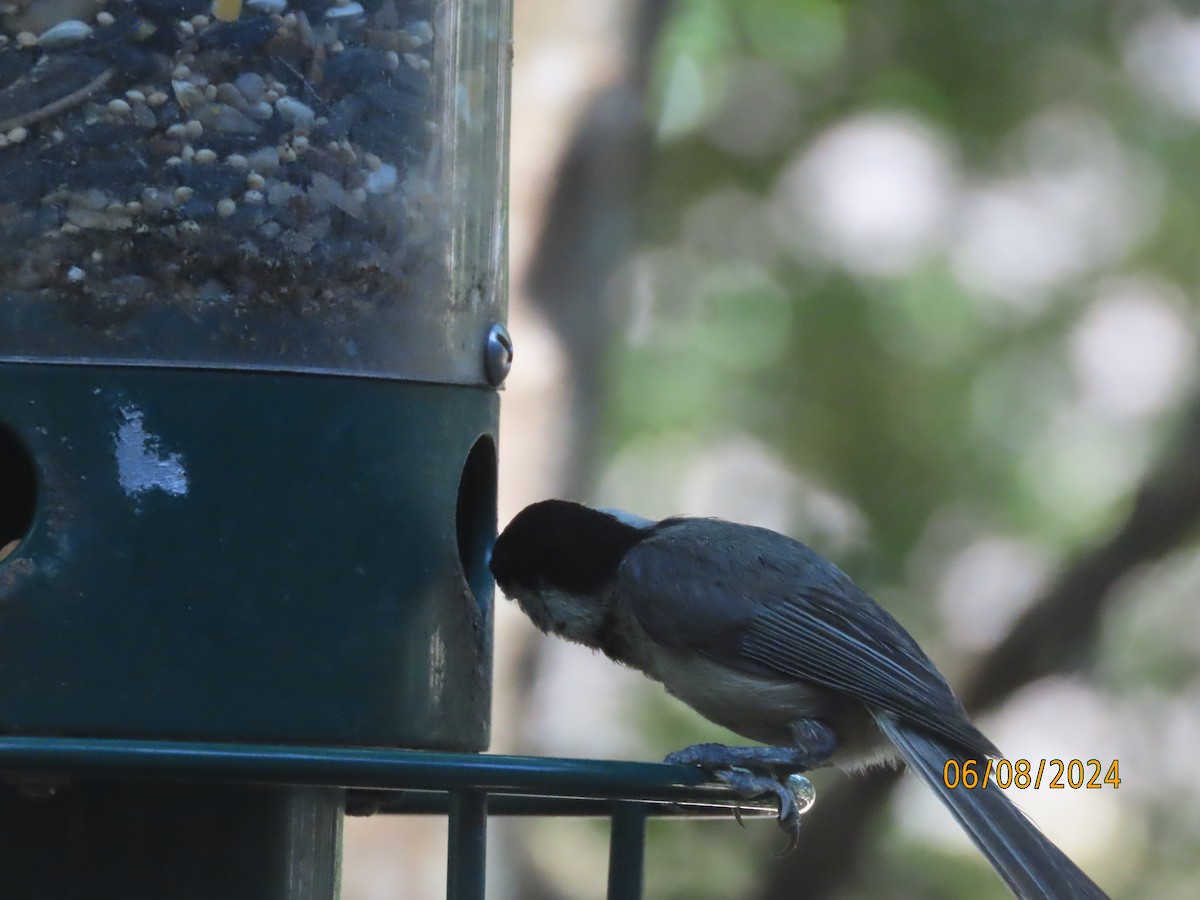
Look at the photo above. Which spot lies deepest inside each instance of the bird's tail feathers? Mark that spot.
(1032, 866)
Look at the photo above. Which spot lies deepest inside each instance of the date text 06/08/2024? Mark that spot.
(1023, 774)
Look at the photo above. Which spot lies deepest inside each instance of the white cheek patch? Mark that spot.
(568, 616)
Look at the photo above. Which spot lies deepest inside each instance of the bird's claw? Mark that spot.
(756, 772)
(749, 785)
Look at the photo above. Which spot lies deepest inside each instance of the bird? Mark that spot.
(762, 635)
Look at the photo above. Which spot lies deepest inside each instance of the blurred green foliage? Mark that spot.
(939, 258)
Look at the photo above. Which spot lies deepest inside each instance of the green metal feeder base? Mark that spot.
(248, 556)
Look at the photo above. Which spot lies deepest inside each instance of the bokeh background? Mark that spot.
(915, 282)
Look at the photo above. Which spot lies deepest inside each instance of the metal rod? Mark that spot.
(358, 767)
(467, 856)
(627, 851)
(437, 803)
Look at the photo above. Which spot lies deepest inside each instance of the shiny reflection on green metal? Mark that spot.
(364, 767)
(313, 838)
(627, 852)
(437, 803)
(467, 850)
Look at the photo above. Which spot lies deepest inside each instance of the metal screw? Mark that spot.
(497, 354)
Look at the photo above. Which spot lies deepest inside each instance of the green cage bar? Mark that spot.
(466, 786)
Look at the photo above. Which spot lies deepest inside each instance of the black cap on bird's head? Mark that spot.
(564, 546)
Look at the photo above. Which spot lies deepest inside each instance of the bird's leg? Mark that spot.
(812, 744)
(758, 771)
(765, 760)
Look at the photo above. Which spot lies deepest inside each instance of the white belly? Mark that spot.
(758, 708)
(763, 709)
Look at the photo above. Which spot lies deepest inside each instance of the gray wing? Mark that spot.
(756, 600)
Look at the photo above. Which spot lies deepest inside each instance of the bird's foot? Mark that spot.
(795, 796)
(760, 771)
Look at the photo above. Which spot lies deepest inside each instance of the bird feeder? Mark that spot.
(252, 292)
(252, 287)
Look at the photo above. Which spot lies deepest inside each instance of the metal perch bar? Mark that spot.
(468, 787)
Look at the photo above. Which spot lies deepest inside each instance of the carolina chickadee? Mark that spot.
(763, 636)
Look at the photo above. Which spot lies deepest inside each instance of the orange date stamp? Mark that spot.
(1023, 774)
